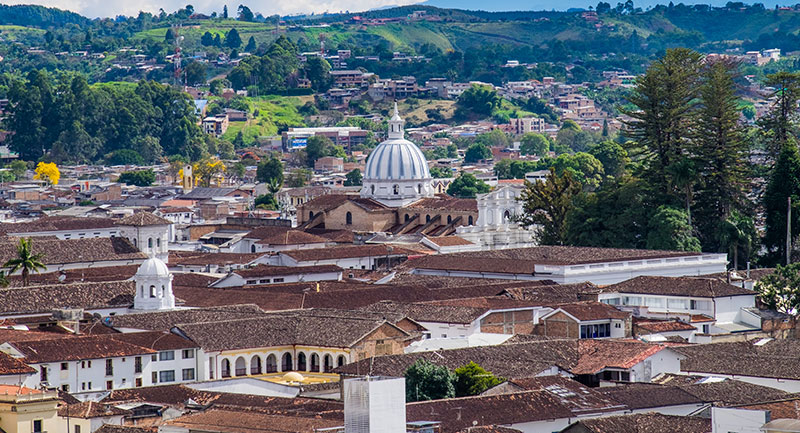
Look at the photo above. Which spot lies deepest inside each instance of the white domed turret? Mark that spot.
(153, 286)
(397, 172)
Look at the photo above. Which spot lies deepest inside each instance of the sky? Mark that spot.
(112, 8)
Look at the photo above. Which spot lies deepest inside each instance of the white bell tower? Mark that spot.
(153, 286)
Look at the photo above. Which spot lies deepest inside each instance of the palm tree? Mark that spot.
(26, 260)
(737, 231)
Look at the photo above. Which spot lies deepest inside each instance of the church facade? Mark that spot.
(398, 197)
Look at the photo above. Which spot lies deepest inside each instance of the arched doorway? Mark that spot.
(327, 363)
(272, 364)
(241, 367)
(286, 362)
(301, 362)
(315, 362)
(226, 368)
(340, 361)
(255, 365)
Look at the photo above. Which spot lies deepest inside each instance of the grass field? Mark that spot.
(272, 112)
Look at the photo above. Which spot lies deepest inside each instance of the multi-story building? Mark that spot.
(215, 125)
(527, 124)
(351, 78)
(345, 136)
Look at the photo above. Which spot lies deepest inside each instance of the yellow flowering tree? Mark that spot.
(207, 170)
(47, 171)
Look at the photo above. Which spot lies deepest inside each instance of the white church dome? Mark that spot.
(153, 267)
(397, 172)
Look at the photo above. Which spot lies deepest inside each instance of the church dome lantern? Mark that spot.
(397, 172)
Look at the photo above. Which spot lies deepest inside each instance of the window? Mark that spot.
(109, 367)
(600, 330)
(109, 384)
(166, 376)
(150, 243)
(611, 301)
(348, 218)
(632, 300)
(277, 280)
(654, 302)
(77, 429)
(138, 382)
(154, 377)
(264, 281)
(154, 357)
(37, 426)
(152, 291)
(427, 218)
(137, 364)
(65, 387)
(187, 353)
(252, 282)
(158, 242)
(64, 366)
(88, 364)
(470, 220)
(166, 356)
(43, 374)
(396, 189)
(677, 304)
(449, 219)
(188, 374)
(706, 329)
(83, 386)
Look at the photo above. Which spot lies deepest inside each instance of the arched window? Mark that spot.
(253, 247)
(348, 218)
(315, 362)
(506, 216)
(241, 367)
(150, 243)
(419, 188)
(286, 362)
(158, 242)
(226, 368)
(372, 189)
(427, 218)
(135, 244)
(272, 364)
(163, 291)
(340, 361)
(406, 218)
(301, 362)
(327, 363)
(395, 189)
(255, 365)
(470, 220)
(449, 219)
(152, 291)
(311, 215)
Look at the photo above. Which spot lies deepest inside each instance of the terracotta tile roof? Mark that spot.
(90, 409)
(141, 219)
(731, 392)
(344, 252)
(10, 365)
(219, 259)
(175, 209)
(65, 251)
(108, 428)
(592, 310)
(446, 202)
(45, 299)
(76, 348)
(332, 201)
(338, 236)
(557, 293)
(489, 429)
(227, 421)
(191, 279)
(179, 395)
(788, 408)
(99, 273)
(511, 361)
(284, 236)
(18, 390)
(487, 303)
(273, 330)
(166, 320)
(657, 326)
(156, 340)
(678, 286)
(597, 355)
(775, 359)
(449, 241)
(644, 423)
(57, 223)
(271, 271)
(559, 400)
(429, 312)
(523, 260)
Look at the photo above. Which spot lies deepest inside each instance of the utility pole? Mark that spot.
(788, 229)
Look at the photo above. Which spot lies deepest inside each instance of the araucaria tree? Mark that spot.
(779, 124)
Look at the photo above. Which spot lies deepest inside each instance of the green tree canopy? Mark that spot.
(532, 143)
(232, 39)
(477, 152)
(546, 206)
(138, 178)
(467, 186)
(353, 178)
(472, 379)
(780, 290)
(428, 381)
(270, 171)
(480, 100)
(670, 230)
(25, 261)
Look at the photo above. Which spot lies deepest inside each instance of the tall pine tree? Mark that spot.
(783, 183)
(720, 153)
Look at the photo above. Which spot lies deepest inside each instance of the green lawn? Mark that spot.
(272, 111)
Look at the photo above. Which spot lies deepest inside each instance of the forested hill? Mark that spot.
(39, 16)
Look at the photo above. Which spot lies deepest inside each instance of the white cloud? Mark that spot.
(111, 8)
